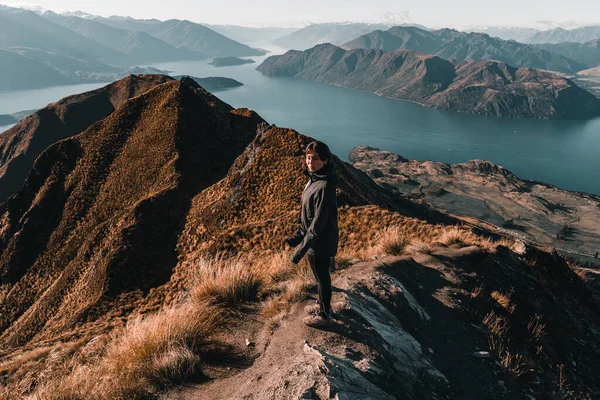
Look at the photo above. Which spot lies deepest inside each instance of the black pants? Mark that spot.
(320, 268)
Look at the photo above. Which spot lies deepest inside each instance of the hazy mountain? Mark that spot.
(587, 53)
(590, 72)
(185, 34)
(22, 28)
(516, 33)
(20, 72)
(558, 35)
(29, 68)
(452, 44)
(251, 35)
(482, 87)
(336, 33)
(141, 46)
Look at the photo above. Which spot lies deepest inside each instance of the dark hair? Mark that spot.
(321, 149)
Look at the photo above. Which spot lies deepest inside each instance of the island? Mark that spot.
(230, 61)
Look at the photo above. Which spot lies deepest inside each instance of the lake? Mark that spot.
(563, 153)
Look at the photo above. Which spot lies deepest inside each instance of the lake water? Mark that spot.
(563, 153)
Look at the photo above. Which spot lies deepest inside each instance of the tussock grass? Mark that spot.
(419, 246)
(503, 300)
(227, 282)
(392, 240)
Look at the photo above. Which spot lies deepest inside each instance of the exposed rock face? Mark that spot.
(100, 213)
(454, 45)
(480, 189)
(483, 87)
(20, 145)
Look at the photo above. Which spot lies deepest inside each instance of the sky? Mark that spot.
(431, 13)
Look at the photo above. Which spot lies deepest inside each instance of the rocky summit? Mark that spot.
(144, 257)
(481, 87)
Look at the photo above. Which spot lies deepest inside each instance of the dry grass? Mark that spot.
(419, 246)
(151, 353)
(227, 282)
(503, 300)
(392, 240)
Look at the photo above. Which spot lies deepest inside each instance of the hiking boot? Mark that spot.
(312, 309)
(318, 321)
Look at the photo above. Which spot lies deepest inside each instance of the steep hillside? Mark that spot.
(483, 87)
(23, 143)
(454, 45)
(98, 218)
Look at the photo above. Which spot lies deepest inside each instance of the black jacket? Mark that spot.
(318, 216)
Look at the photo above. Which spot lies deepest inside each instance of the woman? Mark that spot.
(317, 236)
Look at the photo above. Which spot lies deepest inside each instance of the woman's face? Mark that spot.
(314, 162)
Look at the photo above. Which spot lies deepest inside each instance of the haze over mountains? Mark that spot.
(53, 49)
(482, 87)
(452, 44)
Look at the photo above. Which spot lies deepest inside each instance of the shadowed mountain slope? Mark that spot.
(24, 28)
(185, 34)
(20, 145)
(100, 213)
(482, 87)
(454, 45)
(141, 46)
(587, 53)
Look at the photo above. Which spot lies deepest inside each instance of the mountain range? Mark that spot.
(587, 53)
(48, 49)
(452, 44)
(482, 87)
(124, 272)
(336, 33)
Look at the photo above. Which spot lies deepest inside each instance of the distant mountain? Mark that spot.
(590, 72)
(250, 35)
(141, 46)
(483, 87)
(335, 33)
(20, 72)
(558, 35)
(516, 33)
(22, 28)
(186, 35)
(28, 68)
(452, 44)
(587, 53)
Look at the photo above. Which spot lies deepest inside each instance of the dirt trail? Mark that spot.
(376, 348)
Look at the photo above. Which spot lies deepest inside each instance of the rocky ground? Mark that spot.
(414, 326)
(480, 190)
